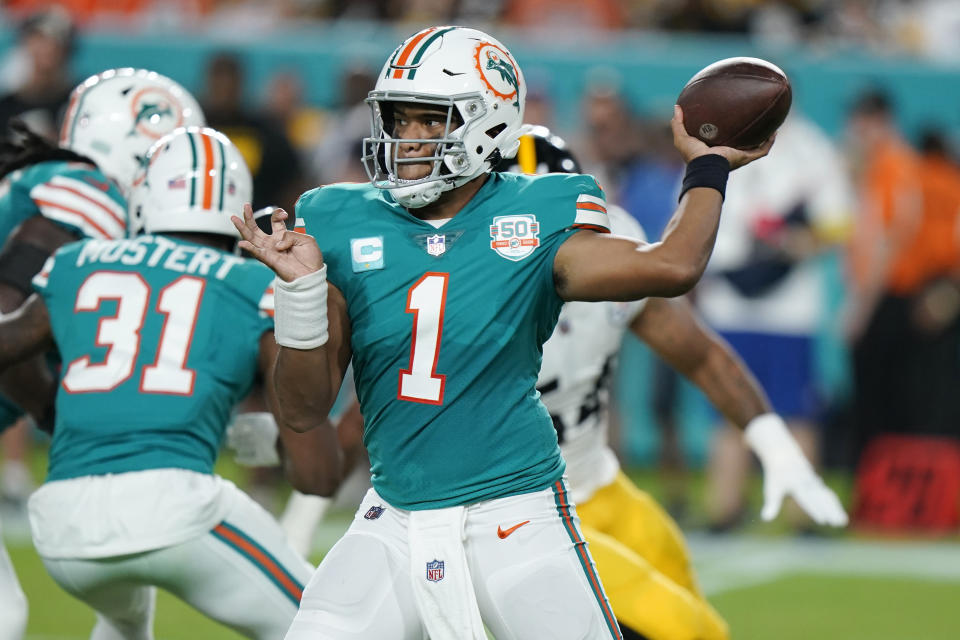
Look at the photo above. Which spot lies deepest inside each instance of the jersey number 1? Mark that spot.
(426, 300)
(179, 302)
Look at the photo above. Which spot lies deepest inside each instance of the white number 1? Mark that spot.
(426, 300)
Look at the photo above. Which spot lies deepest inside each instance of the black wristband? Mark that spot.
(707, 171)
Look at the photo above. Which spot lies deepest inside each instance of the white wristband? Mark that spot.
(768, 436)
(300, 311)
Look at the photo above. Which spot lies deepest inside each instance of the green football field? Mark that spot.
(768, 585)
(882, 591)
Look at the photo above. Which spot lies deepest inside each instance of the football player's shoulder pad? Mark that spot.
(562, 200)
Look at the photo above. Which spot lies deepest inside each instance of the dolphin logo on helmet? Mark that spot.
(151, 112)
(495, 62)
(114, 117)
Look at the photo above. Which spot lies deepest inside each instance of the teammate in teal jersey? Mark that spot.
(51, 195)
(160, 336)
(445, 280)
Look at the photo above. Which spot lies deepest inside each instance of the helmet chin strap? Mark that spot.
(419, 195)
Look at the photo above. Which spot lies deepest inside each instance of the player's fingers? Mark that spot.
(287, 240)
(772, 499)
(821, 503)
(246, 245)
(763, 149)
(241, 227)
(277, 223)
(676, 124)
(833, 511)
(251, 223)
(766, 146)
(810, 500)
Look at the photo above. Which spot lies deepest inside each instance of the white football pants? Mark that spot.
(242, 574)
(13, 604)
(531, 570)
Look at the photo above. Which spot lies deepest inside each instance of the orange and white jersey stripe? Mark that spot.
(266, 302)
(42, 277)
(79, 204)
(592, 214)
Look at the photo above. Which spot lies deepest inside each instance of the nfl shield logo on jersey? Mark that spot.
(515, 237)
(373, 513)
(436, 244)
(435, 571)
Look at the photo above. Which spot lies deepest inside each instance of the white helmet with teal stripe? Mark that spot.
(114, 117)
(193, 181)
(476, 81)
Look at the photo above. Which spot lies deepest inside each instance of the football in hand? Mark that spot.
(736, 102)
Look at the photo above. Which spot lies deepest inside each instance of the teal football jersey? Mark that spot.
(447, 328)
(159, 340)
(74, 195)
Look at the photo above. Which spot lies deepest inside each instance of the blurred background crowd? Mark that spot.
(836, 275)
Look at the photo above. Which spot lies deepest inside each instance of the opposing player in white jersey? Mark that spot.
(161, 335)
(54, 194)
(640, 553)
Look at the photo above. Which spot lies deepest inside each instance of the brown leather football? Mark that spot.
(736, 102)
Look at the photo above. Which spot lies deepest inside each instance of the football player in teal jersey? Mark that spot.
(160, 336)
(54, 194)
(444, 281)
(51, 195)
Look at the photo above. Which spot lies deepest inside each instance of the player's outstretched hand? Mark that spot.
(288, 253)
(808, 490)
(690, 147)
(787, 472)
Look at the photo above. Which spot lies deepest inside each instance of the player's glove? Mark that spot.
(254, 438)
(786, 471)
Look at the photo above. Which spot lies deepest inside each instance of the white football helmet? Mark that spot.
(479, 84)
(193, 181)
(114, 117)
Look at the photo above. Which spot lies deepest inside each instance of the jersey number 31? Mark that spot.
(179, 302)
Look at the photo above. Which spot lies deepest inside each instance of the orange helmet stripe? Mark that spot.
(398, 73)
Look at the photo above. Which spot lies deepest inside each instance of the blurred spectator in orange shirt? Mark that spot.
(887, 172)
(938, 239)
(581, 14)
(904, 237)
(84, 10)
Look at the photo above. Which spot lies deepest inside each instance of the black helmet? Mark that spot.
(541, 152)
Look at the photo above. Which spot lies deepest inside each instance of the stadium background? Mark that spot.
(768, 581)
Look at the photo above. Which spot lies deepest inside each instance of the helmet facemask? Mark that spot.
(452, 163)
(463, 73)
